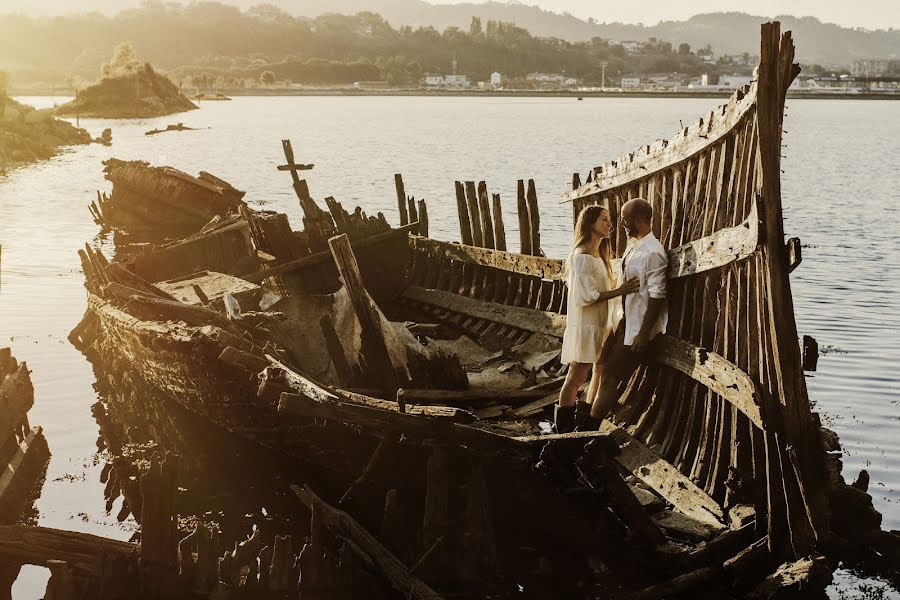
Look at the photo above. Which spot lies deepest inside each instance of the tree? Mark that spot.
(4, 83)
(475, 27)
(124, 62)
(684, 48)
(267, 78)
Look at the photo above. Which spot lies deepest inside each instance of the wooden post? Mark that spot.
(465, 225)
(423, 218)
(401, 199)
(499, 230)
(312, 214)
(524, 221)
(474, 217)
(576, 204)
(374, 346)
(484, 207)
(534, 218)
(411, 204)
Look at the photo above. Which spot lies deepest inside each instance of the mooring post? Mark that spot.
(374, 345)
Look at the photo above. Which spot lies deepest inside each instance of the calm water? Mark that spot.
(839, 185)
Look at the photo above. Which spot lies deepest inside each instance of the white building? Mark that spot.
(631, 46)
(496, 79)
(733, 82)
(434, 80)
(631, 83)
(458, 81)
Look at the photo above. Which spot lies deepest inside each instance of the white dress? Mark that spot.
(588, 322)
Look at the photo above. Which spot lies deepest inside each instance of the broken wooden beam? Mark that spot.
(323, 256)
(712, 370)
(379, 368)
(342, 525)
(84, 552)
(664, 478)
(538, 266)
(528, 319)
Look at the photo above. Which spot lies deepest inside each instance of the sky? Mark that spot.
(871, 14)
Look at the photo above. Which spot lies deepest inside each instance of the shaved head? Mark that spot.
(637, 214)
(639, 208)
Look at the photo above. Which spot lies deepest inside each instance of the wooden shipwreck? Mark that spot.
(23, 449)
(408, 377)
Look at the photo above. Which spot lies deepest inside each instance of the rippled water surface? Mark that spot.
(840, 191)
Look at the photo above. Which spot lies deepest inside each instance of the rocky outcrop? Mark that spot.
(28, 135)
(138, 94)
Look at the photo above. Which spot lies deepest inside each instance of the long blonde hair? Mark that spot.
(586, 219)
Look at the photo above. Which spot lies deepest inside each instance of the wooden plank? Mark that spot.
(325, 255)
(449, 413)
(13, 471)
(342, 525)
(415, 428)
(689, 142)
(682, 527)
(712, 370)
(527, 319)
(538, 266)
(721, 248)
(664, 478)
(463, 397)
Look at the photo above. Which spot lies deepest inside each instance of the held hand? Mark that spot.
(641, 340)
(629, 287)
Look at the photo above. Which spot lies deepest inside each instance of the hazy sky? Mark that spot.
(872, 14)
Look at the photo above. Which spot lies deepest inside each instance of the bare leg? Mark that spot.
(607, 397)
(575, 378)
(594, 388)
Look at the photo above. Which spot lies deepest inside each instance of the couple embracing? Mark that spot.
(606, 337)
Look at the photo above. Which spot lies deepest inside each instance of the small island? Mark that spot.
(128, 89)
(28, 135)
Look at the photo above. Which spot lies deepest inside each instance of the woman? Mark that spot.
(589, 315)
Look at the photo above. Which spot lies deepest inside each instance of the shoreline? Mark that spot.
(793, 95)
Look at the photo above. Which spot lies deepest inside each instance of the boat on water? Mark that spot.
(350, 347)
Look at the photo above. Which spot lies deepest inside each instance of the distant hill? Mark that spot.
(728, 33)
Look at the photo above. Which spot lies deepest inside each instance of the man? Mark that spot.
(645, 311)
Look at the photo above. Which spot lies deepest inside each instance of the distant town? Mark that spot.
(881, 76)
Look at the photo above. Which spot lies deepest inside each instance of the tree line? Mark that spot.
(219, 43)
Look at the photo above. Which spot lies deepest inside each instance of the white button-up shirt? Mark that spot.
(647, 260)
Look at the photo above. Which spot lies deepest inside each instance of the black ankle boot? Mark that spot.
(564, 419)
(582, 414)
(589, 424)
